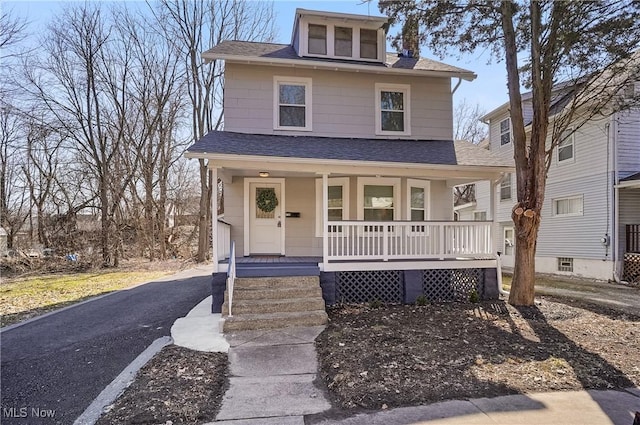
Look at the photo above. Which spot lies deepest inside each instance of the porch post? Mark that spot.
(493, 210)
(325, 220)
(214, 217)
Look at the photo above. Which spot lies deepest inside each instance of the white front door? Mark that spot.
(265, 225)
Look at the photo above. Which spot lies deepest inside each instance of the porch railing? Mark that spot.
(223, 239)
(374, 240)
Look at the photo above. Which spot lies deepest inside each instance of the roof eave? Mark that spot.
(208, 56)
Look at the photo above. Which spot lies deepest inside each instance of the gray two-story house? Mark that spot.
(591, 214)
(339, 156)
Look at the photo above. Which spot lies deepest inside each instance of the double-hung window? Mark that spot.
(317, 39)
(378, 198)
(392, 109)
(417, 200)
(292, 109)
(337, 204)
(565, 147)
(505, 131)
(505, 188)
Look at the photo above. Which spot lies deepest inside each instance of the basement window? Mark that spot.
(565, 264)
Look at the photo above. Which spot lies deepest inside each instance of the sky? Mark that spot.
(488, 90)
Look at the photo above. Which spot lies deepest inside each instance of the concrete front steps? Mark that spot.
(274, 302)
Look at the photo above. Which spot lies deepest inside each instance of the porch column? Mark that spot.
(325, 219)
(214, 217)
(493, 211)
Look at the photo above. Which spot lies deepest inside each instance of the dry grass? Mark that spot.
(23, 298)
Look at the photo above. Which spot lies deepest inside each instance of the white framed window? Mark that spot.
(509, 242)
(378, 198)
(566, 147)
(317, 41)
(368, 44)
(505, 131)
(393, 109)
(505, 188)
(338, 205)
(565, 264)
(568, 206)
(292, 103)
(480, 216)
(343, 41)
(418, 200)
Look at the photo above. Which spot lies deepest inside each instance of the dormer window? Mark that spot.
(368, 44)
(343, 41)
(317, 39)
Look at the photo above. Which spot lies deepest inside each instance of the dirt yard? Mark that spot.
(409, 355)
(178, 386)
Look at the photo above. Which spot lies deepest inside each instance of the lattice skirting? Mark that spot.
(631, 268)
(452, 285)
(404, 286)
(370, 285)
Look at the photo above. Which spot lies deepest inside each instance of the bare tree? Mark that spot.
(197, 26)
(466, 122)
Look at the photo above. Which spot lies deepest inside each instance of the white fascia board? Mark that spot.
(631, 184)
(336, 66)
(338, 15)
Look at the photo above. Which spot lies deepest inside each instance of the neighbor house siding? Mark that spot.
(576, 235)
(628, 141)
(343, 104)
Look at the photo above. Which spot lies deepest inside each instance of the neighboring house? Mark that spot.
(339, 154)
(591, 209)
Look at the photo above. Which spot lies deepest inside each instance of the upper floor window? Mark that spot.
(292, 109)
(565, 147)
(392, 109)
(505, 188)
(368, 44)
(343, 43)
(505, 131)
(568, 206)
(317, 39)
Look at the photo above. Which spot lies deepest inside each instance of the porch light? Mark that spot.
(263, 174)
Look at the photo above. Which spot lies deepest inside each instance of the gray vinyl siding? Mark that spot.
(343, 103)
(576, 236)
(234, 211)
(628, 140)
(300, 237)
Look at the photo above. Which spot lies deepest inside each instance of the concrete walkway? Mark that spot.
(272, 377)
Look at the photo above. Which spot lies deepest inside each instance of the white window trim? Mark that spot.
(573, 150)
(567, 198)
(334, 181)
(480, 212)
(426, 185)
(379, 181)
(307, 82)
(355, 47)
(406, 90)
(500, 133)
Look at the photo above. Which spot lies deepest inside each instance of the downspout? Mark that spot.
(494, 187)
(613, 133)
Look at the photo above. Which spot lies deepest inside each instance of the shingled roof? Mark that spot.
(437, 152)
(284, 52)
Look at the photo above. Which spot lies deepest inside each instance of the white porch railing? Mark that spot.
(375, 240)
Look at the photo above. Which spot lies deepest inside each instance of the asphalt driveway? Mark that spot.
(53, 368)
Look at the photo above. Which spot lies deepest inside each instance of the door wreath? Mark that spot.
(267, 200)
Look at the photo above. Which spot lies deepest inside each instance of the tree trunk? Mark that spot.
(204, 212)
(526, 223)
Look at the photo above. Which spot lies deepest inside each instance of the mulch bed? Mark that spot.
(178, 386)
(409, 355)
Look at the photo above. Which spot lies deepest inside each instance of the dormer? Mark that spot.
(339, 36)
